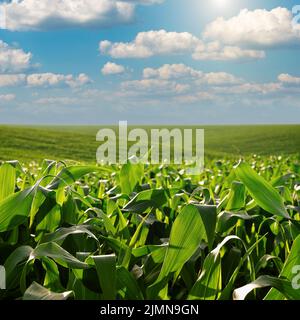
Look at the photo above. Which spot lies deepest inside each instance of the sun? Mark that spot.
(220, 3)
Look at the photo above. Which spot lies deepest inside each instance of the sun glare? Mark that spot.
(220, 3)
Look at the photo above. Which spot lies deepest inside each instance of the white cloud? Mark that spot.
(288, 79)
(219, 78)
(162, 87)
(7, 97)
(216, 52)
(11, 80)
(184, 84)
(171, 71)
(179, 81)
(81, 80)
(112, 68)
(43, 80)
(237, 38)
(150, 43)
(260, 27)
(193, 76)
(54, 14)
(251, 88)
(153, 43)
(13, 59)
(51, 79)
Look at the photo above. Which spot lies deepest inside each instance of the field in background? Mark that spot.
(28, 143)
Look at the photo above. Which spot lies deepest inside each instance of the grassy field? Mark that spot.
(149, 232)
(28, 143)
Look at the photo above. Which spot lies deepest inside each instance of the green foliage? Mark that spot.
(150, 232)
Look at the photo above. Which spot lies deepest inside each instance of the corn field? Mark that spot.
(140, 232)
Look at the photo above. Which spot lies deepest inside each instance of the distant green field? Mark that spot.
(34, 143)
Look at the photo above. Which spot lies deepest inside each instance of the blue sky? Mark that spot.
(149, 61)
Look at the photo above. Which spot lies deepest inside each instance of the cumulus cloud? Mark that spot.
(7, 97)
(13, 59)
(186, 73)
(161, 42)
(165, 90)
(183, 84)
(158, 86)
(43, 80)
(252, 88)
(216, 52)
(219, 78)
(51, 79)
(53, 14)
(111, 68)
(288, 79)
(242, 37)
(150, 43)
(181, 81)
(260, 28)
(172, 71)
(11, 80)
